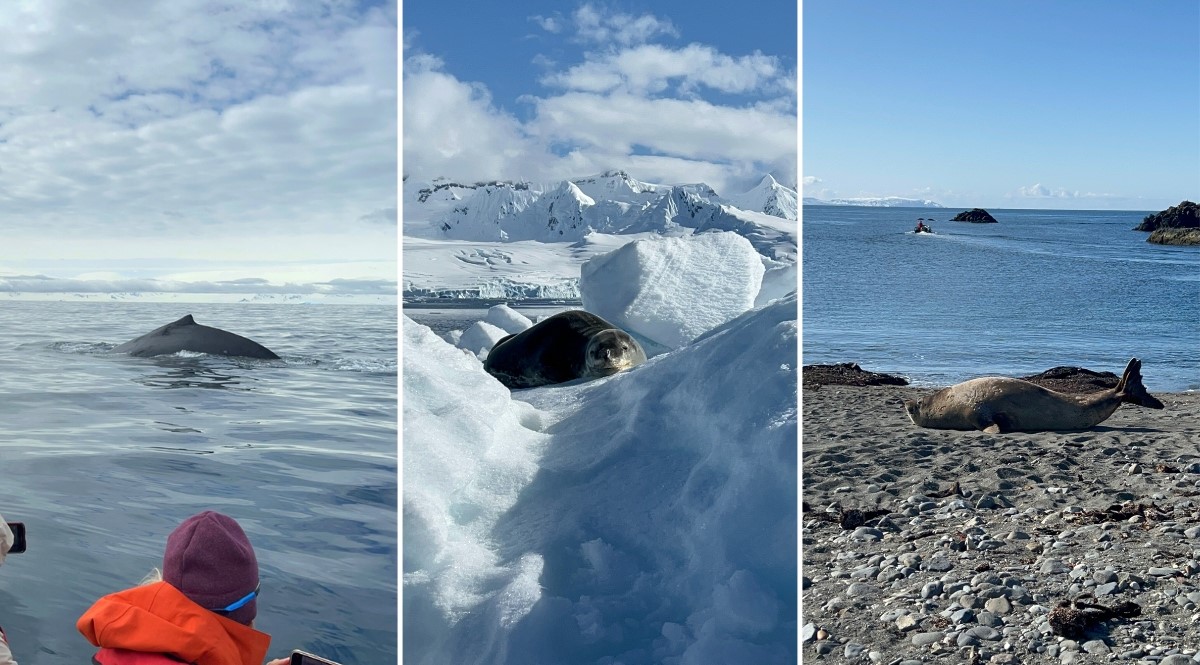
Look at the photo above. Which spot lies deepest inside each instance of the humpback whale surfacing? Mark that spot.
(187, 335)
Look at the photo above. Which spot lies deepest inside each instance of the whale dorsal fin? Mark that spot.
(185, 321)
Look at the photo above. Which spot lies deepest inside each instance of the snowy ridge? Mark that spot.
(610, 202)
(768, 197)
(517, 240)
(879, 202)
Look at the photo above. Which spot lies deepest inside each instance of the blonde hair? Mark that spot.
(153, 577)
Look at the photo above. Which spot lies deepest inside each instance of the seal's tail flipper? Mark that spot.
(1131, 390)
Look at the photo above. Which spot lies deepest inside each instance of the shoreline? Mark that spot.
(969, 539)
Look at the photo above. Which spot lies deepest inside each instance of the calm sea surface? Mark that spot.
(102, 455)
(1039, 289)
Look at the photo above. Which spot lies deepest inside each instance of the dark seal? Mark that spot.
(567, 346)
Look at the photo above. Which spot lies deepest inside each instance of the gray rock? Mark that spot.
(1163, 572)
(989, 619)
(1106, 589)
(1051, 566)
(869, 571)
(931, 590)
(1104, 576)
(867, 533)
(938, 564)
(808, 632)
(985, 633)
(998, 605)
(1096, 647)
(854, 650)
(824, 647)
(960, 617)
(859, 589)
(906, 622)
(925, 639)
(1177, 659)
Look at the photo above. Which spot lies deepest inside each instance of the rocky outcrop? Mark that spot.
(847, 374)
(1175, 237)
(1074, 380)
(974, 215)
(1186, 215)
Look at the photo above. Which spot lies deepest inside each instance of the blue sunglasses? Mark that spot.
(239, 602)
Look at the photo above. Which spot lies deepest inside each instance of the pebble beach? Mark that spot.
(935, 546)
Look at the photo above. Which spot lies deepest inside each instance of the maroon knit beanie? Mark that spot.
(209, 559)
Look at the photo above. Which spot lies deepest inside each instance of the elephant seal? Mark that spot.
(567, 346)
(187, 335)
(999, 404)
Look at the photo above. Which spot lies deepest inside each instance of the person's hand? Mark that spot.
(280, 661)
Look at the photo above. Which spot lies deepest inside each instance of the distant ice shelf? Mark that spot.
(880, 202)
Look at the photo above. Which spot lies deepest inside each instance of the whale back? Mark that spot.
(187, 335)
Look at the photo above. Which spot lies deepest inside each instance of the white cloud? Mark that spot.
(651, 68)
(636, 106)
(176, 119)
(812, 180)
(452, 129)
(551, 24)
(1039, 191)
(601, 26)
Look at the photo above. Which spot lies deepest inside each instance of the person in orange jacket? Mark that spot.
(201, 611)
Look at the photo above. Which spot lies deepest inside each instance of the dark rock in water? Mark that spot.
(1186, 215)
(1074, 380)
(974, 215)
(847, 374)
(1175, 237)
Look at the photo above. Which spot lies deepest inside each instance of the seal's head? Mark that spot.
(913, 408)
(610, 351)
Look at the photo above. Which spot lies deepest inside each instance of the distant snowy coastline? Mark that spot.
(523, 240)
(881, 202)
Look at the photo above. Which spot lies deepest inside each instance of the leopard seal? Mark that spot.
(567, 346)
(996, 404)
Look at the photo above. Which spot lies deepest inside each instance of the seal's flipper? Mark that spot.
(1131, 390)
(997, 423)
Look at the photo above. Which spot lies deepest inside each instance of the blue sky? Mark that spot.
(669, 91)
(1017, 104)
(237, 146)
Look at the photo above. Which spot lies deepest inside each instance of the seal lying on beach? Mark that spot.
(566, 346)
(1000, 404)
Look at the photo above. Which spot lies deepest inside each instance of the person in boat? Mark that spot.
(921, 228)
(199, 609)
(7, 540)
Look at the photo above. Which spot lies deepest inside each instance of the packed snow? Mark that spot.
(645, 517)
(521, 240)
(671, 290)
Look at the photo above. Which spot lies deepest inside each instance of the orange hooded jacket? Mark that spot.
(158, 618)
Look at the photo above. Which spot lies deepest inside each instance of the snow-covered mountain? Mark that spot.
(519, 240)
(768, 197)
(878, 202)
(608, 203)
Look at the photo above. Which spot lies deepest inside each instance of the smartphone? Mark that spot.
(305, 658)
(18, 529)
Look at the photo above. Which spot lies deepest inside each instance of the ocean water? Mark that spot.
(1039, 289)
(102, 455)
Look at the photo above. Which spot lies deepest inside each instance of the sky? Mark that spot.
(671, 92)
(1077, 104)
(191, 145)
